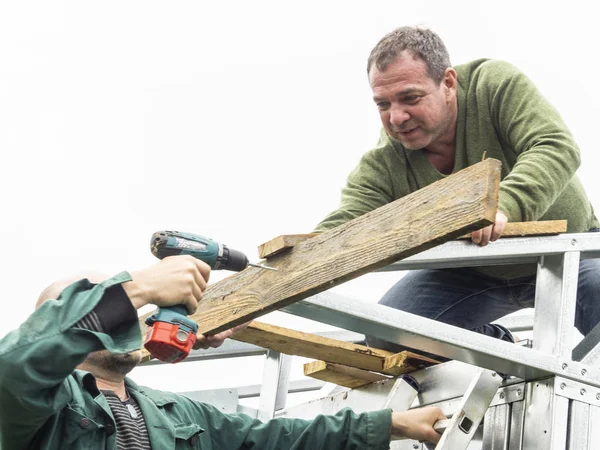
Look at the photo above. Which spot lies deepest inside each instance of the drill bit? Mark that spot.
(261, 266)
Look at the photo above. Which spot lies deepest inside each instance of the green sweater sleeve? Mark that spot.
(346, 429)
(369, 186)
(547, 155)
(37, 358)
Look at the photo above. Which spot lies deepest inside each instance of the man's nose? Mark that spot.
(398, 115)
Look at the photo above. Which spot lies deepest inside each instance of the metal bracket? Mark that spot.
(509, 394)
(576, 391)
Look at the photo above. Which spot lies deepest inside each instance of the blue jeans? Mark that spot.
(469, 299)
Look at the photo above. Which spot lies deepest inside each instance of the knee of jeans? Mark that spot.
(501, 332)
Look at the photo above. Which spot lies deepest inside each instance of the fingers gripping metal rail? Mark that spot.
(457, 431)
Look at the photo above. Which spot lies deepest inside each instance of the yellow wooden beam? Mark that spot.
(282, 242)
(349, 377)
(540, 228)
(512, 229)
(292, 342)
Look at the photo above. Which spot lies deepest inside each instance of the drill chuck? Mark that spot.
(232, 260)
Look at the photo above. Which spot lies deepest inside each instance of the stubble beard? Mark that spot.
(429, 136)
(413, 147)
(117, 364)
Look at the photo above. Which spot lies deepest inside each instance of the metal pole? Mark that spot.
(274, 389)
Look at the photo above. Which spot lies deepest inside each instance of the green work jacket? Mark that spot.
(45, 403)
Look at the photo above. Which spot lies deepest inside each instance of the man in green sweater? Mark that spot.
(63, 381)
(438, 119)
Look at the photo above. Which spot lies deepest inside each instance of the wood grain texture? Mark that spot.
(405, 362)
(349, 377)
(440, 212)
(540, 228)
(352, 376)
(292, 342)
(282, 242)
(512, 229)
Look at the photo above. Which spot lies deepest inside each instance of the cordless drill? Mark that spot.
(171, 335)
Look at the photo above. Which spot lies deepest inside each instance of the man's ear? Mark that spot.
(449, 81)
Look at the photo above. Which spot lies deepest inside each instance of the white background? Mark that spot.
(236, 120)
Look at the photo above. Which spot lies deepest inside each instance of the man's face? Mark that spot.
(414, 109)
(119, 364)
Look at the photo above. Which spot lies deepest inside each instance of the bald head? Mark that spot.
(102, 363)
(53, 291)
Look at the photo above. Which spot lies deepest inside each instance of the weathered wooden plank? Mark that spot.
(539, 228)
(282, 242)
(354, 377)
(349, 377)
(405, 362)
(292, 342)
(442, 211)
(512, 229)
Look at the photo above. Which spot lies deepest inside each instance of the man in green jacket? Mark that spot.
(438, 119)
(63, 381)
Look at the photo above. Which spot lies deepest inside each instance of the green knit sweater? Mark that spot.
(500, 112)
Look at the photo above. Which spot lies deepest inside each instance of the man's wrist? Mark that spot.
(398, 427)
(136, 293)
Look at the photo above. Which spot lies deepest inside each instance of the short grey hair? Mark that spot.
(423, 43)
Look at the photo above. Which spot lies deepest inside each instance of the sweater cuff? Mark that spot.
(379, 431)
(115, 309)
(510, 208)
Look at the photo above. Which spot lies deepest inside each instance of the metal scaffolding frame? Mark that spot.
(558, 264)
(552, 399)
